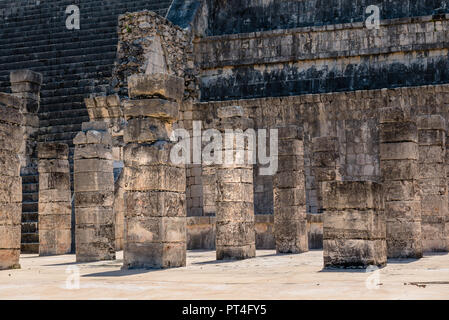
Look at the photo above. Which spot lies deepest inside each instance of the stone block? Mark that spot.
(10, 163)
(227, 191)
(398, 132)
(55, 195)
(290, 179)
(399, 169)
(92, 199)
(154, 178)
(408, 210)
(136, 155)
(351, 253)
(55, 208)
(54, 221)
(235, 252)
(237, 175)
(9, 259)
(91, 151)
(154, 108)
(156, 85)
(25, 75)
(362, 195)
(291, 196)
(55, 242)
(235, 211)
(10, 236)
(94, 125)
(147, 130)
(155, 229)
(54, 181)
(10, 189)
(10, 213)
(155, 204)
(94, 165)
(399, 151)
(53, 150)
(93, 181)
(354, 224)
(11, 137)
(53, 166)
(234, 233)
(154, 255)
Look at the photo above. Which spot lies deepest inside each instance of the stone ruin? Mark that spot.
(362, 156)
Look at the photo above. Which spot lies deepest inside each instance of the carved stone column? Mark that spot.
(94, 173)
(155, 201)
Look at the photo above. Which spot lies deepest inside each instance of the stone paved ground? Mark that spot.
(268, 276)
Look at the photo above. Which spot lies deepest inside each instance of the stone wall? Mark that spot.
(239, 16)
(350, 116)
(341, 57)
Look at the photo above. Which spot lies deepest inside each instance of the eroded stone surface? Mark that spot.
(55, 208)
(93, 173)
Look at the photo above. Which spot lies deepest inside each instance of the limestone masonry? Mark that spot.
(354, 119)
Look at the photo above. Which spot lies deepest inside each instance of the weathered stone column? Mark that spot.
(109, 109)
(26, 85)
(325, 163)
(94, 173)
(55, 208)
(155, 205)
(399, 170)
(354, 224)
(432, 182)
(235, 228)
(290, 218)
(11, 140)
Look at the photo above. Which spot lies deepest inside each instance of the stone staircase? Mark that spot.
(74, 64)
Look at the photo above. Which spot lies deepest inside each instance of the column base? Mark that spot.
(236, 252)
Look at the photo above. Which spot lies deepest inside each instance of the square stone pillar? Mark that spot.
(155, 201)
(354, 224)
(11, 140)
(325, 163)
(55, 207)
(235, 228)
(432, 182)
(94, 174)
(399, 170)
(290, 218)
(26, 85)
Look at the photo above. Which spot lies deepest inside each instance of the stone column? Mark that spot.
(11, 140)
(432, 182)
(235, 228)
(26, 84)
(109, 109)
(55, 208)
(354, 224)
(399, 170)
(155, 205)
(325, 163)
(94, 173)
(290, 218)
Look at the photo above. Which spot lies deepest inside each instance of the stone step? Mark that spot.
(30, 206)
(30, 197)
(29, 248)
(30, 188)
(30, 216)
(30, 237)
(29, 227)
(30, 179)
